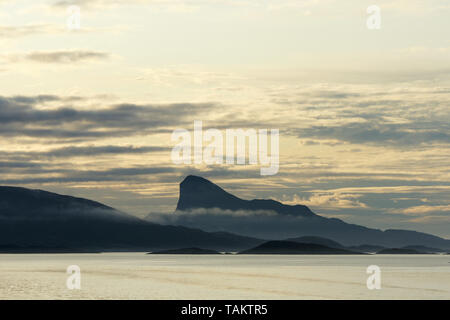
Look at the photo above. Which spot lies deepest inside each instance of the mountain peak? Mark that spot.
(199, 193)
(195, 181)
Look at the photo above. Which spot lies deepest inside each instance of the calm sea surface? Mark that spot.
(141, 276)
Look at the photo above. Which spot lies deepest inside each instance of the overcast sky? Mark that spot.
(364, 115)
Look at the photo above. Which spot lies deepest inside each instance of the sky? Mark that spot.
(363, 114)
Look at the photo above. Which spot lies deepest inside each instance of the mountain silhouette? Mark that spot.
(199, 193)
(291, 247)
(424, 249)
(41, 221)
(186, 251)
(368, 248)
(317, 240)
(399, 251)
(36, 220)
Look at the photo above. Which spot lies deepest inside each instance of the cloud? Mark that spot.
(101, 4)
(183, 74)
(61, 56)
(422, 210)
(43, 98)
(263, 224)
(431, 219)
(18, 118)
(219, 212)
(34, 99)
(27, 30)
(71, 176)
(16, 172)
(375, 116)
(83, 151)
(381, 133)
(16, 164)
(330, 200)
(99, 150)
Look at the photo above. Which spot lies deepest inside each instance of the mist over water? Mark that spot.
(141, 276)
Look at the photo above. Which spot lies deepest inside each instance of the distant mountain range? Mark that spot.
(318, 240)
(198, 193)
(186, 251)
(302, 246)
(291, 247)
(399, 251)
(40, 221)
(367, 248)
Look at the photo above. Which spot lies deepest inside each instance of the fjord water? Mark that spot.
(142, 276)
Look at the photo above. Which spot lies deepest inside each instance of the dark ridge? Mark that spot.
(27, 203)
(368, 248)
(399, 251)
(16, 249)
(290, 247)
(199, 193)
(186, 251)
(44, 221)
(41, 221)
(317, 240)
(424, 249)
